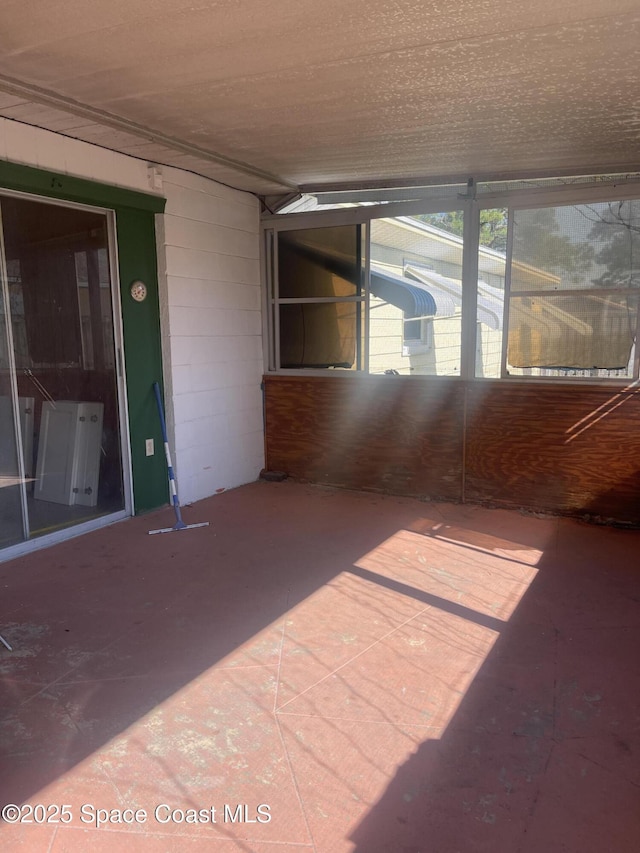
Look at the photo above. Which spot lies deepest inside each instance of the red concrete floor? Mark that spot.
(371, 673)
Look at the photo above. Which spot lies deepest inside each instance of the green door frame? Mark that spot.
(136, 247)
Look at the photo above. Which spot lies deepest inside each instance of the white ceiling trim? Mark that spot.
(35, 94)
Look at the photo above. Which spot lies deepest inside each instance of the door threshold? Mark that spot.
(48, 539)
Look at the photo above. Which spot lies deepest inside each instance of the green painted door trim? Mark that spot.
(30, 180)
(136, 245)
(143, 354)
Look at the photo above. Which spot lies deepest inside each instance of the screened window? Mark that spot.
(319, 298)
(574, 283)
(540, 289)
(416, 294)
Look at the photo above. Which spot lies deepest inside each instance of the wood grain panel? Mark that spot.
(380, 433)
(568, 449)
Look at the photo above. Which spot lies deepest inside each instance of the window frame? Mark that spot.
(273, 225)
(361, 298)
(600, 189)
(422, 344)
(592, 291)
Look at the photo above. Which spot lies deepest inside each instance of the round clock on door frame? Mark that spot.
(138, 291)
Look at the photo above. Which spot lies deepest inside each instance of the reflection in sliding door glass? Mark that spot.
(61, 313)
(11, 511)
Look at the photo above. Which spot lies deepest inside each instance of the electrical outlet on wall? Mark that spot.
(150, 449)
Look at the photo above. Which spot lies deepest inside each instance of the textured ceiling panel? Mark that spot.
(328, 92)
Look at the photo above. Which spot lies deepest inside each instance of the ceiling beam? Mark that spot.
(51, 99)
(621, 170)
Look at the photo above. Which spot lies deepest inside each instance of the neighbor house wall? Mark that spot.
(209, 291)
(386, 326)
(440, 358)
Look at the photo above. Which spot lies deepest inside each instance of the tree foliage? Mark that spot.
(493, 225)
(610, 258)
(537, 241)
(616, 233)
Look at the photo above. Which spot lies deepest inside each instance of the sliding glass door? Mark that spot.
(60, 422)
(11, 478)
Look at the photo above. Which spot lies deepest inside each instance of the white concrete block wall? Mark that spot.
(210, 305)
(213, 333)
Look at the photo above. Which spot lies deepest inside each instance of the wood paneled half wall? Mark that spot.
(569, 449)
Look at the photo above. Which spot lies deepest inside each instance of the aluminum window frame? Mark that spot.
(272, 302)
(630, 192)
(273, 225)
(600, 189)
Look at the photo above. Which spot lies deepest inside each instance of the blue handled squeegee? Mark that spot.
(179, 525)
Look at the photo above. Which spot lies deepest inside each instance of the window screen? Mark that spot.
(320, 297)
(574, 285)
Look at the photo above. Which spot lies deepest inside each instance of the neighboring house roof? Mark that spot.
(490, 299)
(414, 235)
(443, 245)
(420, 291)
(424, 293)
(414, 299)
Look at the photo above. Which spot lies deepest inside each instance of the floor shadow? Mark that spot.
(543, 743)
(106, 626)
(542, 752)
